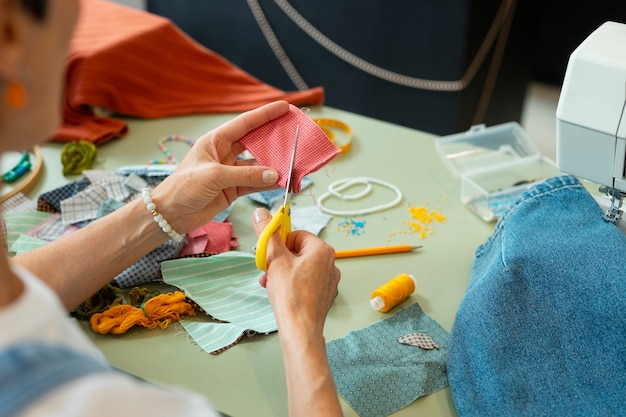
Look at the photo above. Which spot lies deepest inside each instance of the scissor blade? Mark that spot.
(293, 159)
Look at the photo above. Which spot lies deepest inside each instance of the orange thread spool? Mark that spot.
(393, 292)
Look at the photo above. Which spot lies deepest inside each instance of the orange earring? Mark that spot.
(16, 96)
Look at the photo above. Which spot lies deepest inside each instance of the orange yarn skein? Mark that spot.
(158, 311)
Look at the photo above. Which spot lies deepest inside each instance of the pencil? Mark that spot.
(350, 253)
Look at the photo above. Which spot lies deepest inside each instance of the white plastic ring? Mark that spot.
(335, 188)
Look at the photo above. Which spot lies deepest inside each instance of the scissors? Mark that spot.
(282, 218)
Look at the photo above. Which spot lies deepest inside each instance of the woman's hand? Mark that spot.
(210, 177)
(301, 278)
(301, 284)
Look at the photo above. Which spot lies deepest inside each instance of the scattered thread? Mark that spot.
(330, 169)
(393, 292)
(111, 295)
(158, 311)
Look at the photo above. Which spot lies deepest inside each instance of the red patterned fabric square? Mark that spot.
(272, 144)
(214, 237)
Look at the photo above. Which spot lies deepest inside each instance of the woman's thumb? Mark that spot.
(261, 218)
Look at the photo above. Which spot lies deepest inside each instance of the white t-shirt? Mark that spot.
(38, 316)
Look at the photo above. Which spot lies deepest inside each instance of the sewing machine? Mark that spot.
(591, 114)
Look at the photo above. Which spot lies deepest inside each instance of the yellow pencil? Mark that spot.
(350, 253)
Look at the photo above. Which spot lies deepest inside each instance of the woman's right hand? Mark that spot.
(301, 278)
(301, 282)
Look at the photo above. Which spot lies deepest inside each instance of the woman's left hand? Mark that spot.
(210, 177)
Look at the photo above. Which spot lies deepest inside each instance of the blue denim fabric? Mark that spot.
(541, 330)
(30, 371)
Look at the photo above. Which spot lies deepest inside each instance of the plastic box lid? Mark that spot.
(485, 148)
(495, 164)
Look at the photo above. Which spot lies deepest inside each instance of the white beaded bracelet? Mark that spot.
(165, 226)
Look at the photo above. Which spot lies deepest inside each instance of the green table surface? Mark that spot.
(248, 379)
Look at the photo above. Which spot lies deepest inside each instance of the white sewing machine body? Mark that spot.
(591, 113)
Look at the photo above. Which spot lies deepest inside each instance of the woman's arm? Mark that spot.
(207, 181)
(78, 265)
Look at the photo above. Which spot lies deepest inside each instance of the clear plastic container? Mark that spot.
(495, 164)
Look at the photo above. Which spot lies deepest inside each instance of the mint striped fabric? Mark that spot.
(19, 222)
(226, 286)
(24, 243)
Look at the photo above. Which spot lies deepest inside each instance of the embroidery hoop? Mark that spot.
(335, 188)
(29, 180)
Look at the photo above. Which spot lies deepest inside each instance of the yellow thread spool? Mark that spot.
(393, 292)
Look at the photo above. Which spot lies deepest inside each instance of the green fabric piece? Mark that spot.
(24, 243)
(19, 222)
(377, 375)
(226, 286)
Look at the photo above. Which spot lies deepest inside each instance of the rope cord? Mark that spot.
(495, 29)
(494, 68)
(274, 43)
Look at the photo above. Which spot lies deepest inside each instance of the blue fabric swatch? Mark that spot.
(377, 375)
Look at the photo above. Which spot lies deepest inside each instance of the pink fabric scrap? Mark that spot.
(214, 237)
(272, 145)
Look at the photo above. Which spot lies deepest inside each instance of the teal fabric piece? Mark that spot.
(108, 206)
(377, 375)
(227, 288)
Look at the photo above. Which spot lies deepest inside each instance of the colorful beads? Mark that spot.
(170, 159)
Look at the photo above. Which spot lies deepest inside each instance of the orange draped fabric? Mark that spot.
(134, 63)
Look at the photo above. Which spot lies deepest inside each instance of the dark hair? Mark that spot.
(37, 8)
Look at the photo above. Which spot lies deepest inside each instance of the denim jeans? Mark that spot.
(541, 330)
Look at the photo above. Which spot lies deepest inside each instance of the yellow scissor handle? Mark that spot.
(281, 222)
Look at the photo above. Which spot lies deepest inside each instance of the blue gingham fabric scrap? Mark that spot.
(146, 269)
(271, 197)
(18, 202)
(84, 205)
(54, 197)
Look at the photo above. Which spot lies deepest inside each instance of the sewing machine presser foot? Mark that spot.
(614, 212)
